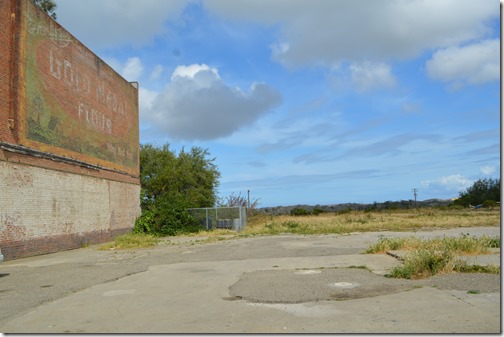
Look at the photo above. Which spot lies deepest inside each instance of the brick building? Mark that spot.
(69, 139)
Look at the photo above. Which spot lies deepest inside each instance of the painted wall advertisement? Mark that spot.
(75, 104)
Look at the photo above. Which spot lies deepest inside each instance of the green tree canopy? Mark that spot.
(481, 191)
(171, 183)
(48, 6)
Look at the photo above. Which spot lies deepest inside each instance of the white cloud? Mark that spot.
(157, 72)
(146, 99)
(487, 170)
(327, 32)
(198, 104)
(367, 76)
(111, 23)
(449, 184)
(200, 73)
(472, 64)
(132, 69)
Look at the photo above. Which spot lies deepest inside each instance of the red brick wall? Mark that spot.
(44, 210)
(46, 245)
(75, 104)
(69, 139)
(6, 64)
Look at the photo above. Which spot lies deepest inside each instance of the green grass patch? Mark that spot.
(131, 240)
(467, 268)
(464, 244)
(430, 257)
(423, 263)
(385, 244)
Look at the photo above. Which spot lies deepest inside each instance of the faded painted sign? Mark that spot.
(75, 104)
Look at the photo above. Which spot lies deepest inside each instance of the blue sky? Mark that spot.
(313, 101)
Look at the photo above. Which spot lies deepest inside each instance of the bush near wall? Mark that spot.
(172, 183)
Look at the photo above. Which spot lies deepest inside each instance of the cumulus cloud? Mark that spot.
(367, 76)
(198, 104)
(157, 72)
(146, 99)
(132, 69)
(327, 32)
(111, 23)
(472, 64)
(449, 184)
(200, 73)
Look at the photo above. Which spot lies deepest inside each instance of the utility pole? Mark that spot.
(415, 194)
(248, 198)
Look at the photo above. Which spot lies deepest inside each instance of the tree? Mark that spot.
(481, 191)
(234, 200)
(170, 184)
(48, 6)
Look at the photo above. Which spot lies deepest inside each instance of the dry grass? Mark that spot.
(367, 221)
(131, 240)
(438, 255)
(463, 245)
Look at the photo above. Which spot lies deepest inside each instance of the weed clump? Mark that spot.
(431, 257)
(131, 240)
(423, 263)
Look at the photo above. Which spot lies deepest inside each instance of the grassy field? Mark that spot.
(372, 221)
(426, 258)
(340, 223)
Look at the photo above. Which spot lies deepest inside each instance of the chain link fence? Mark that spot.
(234, 218)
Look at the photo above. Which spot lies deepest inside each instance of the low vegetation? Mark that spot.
(440, 255)
(131, 240)
(371, 221)
(465, 244)
(343, 222)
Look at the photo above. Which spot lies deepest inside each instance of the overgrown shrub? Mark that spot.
(489, 204)
(317, 211)
(479, 192)
(299, 212)
(171, 183)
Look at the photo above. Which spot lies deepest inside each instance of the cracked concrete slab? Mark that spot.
(296, 284)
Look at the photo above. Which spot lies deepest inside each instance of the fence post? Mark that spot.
(206, 217)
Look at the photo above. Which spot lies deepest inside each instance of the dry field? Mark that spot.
(366, 221)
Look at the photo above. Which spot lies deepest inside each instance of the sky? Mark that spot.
(312, 101)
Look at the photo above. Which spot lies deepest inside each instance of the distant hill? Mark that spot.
(403, 204)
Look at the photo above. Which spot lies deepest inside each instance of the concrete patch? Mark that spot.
(119, 292)
(286, 286)
(300, 309)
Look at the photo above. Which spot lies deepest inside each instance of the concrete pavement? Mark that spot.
(266, 294)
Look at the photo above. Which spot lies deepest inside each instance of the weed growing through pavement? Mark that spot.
(430, 257)
(464, 244)
(131, 240)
